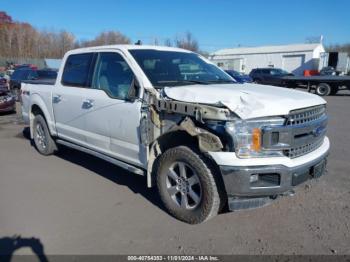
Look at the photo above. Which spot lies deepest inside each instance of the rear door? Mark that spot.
(112, 122)
(68, 97)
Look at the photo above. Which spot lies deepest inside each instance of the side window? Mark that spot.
(265, 71)
(113, 75)
(76, 70)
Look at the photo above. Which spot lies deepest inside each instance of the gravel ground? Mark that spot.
(72, 203)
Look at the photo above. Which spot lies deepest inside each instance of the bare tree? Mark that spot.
(339, 48)
(168, 42)
(107, 38)
(21, 40)
(187, 42)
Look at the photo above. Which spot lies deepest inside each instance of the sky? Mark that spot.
(215, 24)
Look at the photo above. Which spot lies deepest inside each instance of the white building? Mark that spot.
(292, 58)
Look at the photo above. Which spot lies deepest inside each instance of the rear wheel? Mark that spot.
(187, 186)
(42, 137)
(323, 89)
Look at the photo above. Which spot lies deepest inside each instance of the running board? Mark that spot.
(114, 161)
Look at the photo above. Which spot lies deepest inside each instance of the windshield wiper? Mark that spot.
(183, 82)
(221, 81)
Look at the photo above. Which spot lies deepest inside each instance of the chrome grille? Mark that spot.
(305, 115)
(303, 150)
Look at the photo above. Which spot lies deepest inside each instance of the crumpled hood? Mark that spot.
(246, 100)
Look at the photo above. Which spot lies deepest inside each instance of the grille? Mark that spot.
(303, 150)
(302, 116)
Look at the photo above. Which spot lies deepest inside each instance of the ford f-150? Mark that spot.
(171, 115)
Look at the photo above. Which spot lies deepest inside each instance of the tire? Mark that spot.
(42, 138)
(190, 195)
(323, 89)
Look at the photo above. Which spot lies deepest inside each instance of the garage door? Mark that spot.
(294, 64)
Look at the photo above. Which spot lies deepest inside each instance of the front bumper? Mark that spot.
(256, 184)
(271, 180)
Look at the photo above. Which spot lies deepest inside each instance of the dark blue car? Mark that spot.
(239, 77)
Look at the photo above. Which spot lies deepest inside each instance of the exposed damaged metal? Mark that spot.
(168, 116)
(207, 141)
(198, 111)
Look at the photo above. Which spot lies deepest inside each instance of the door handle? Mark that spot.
(56, 99)
(88, 103)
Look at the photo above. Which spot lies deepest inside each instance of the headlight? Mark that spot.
(247, 137)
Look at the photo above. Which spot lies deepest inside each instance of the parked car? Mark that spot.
(239, 77)
(3, 83)
(24, 74)
(269, 76)
(7, 101)
(203, 140)
(27, 66)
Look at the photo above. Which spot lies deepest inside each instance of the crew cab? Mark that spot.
(169, 114)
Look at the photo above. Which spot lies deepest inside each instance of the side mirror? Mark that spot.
(133, 90)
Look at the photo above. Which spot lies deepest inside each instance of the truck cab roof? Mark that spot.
(127, 48)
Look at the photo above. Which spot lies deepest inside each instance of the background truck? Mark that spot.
(323, 85)
(203, 139)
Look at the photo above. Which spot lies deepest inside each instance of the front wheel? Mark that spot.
(187, 186)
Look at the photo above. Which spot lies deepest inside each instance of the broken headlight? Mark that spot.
(247, 136)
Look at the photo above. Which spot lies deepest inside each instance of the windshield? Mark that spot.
(168, 68)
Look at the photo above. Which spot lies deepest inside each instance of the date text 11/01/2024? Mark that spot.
(173, 258)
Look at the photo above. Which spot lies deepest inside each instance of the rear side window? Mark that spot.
(76, 70)
(47, 74)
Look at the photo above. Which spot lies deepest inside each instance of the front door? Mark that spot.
(112, 122)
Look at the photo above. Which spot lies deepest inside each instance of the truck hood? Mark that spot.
(246, 100)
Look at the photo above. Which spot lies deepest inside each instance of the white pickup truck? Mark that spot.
(169, 114)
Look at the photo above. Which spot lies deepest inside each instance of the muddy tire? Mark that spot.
(187, 186)
(42, 138)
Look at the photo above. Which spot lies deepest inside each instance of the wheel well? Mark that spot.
(36, 110)
(180, 138)
(176, 138)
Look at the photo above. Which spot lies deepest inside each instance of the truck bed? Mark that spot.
(41, 82)
(324, 78)
(33, 90)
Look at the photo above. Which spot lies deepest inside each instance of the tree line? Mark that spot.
(22, 40)
(339, 48)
